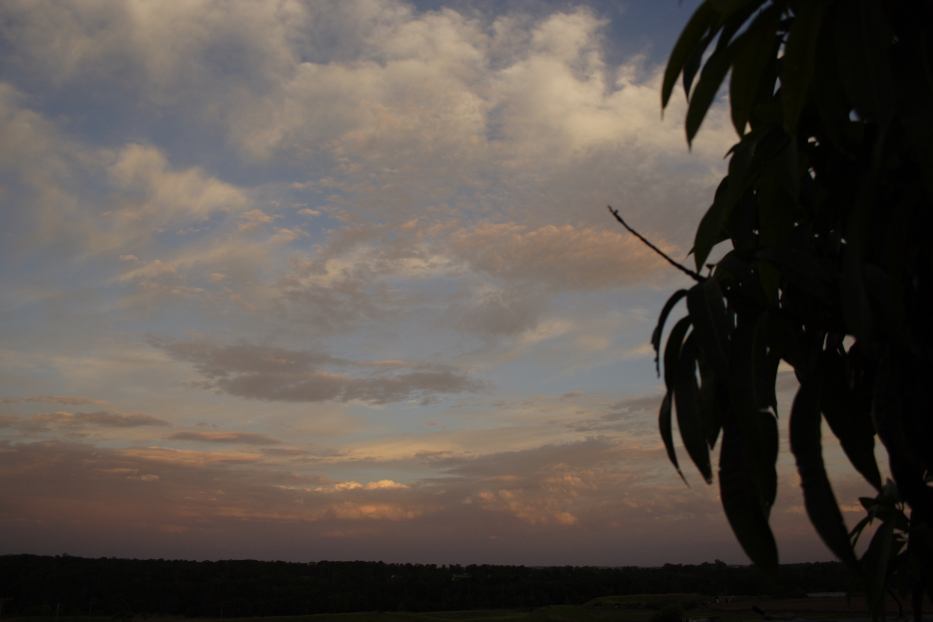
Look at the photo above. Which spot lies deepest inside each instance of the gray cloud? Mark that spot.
(116, 420)
(503, 312)
(278, 374)
(562, 257)
(64, 400)
(232, 438)
(62, 419)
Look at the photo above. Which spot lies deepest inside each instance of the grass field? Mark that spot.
(628, 608)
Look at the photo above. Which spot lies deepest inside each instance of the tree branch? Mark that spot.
(699, 278)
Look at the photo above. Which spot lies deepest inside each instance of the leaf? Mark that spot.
(659, 328)
(778, 192)
(754, 49)
(714, 72)
(755, 420)
(701, 21)
(710, 408)
(740, 500)
(818, 495)
(711, 229)
(706, 306)
(856, 532)
(693, 63)
(765, 363)
(664, 425)
(686, 401)
(848, 418)
(799, 60)
(672, 350)
(727, 7)
(732, 14)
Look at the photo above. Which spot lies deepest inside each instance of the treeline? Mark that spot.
(66, 585)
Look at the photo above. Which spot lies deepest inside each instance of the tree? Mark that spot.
(825, 221)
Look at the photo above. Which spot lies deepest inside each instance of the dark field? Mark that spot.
(627, 608)
(74, 589)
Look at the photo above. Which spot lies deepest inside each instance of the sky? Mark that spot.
(336, 280)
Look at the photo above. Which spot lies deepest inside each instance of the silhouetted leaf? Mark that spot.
(741, 501)
(711, 229)
(732, 14)
(711, 323)
(710, 408)
(694, 62)
(755, 421)
(659, 328)
(672, 349)
(778, 190)
(726, 8)
(686, 401)
(817, 493)
(849, 419)
(664, 425)
(701, 21)
(765, 361)
(754, 50)
(714, 72)
(799, 60)
(858, 529)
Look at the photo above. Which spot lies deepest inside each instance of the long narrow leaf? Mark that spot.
(798, 60)
(711, 78)
(740, 501)
(848, 417)
(672, 350)
(687, 403)
(703, 19)
(754, 49)
(659, 328)
(707, 309)
(818, 495)
(664, 426)
(711, 229)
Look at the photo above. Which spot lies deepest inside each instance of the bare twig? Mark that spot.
(699, 278)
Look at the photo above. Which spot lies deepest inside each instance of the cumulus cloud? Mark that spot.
(158, 195)
(278, 374)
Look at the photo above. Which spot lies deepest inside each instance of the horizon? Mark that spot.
(337, 281)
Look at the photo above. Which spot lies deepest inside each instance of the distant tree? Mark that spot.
(826, 223)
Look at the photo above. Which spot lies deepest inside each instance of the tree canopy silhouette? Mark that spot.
(821, 239)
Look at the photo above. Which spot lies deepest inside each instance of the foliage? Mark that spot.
(826, 215)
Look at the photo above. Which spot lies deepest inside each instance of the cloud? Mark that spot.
(116, 420)
(71, 420)
(189, 458)
(233, 438)
(278, 374)
(382, 484)
(499, 312)
(158, 195)
(564, 257)
(64, 400)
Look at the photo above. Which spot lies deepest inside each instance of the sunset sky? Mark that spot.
(336, 280)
